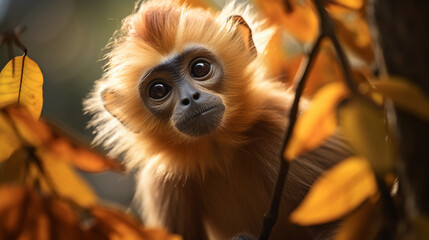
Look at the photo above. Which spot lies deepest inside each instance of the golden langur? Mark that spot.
(185, 99)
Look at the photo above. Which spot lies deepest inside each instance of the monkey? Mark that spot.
(187, 102)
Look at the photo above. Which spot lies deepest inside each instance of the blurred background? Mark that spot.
(66, 38)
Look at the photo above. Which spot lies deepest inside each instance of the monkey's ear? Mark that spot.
(246, 33)
(109, 98)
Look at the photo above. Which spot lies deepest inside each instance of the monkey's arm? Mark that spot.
(170, 205)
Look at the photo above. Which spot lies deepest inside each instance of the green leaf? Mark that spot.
(365, 129)
(404, 94)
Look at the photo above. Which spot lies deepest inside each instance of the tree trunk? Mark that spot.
(403, 31)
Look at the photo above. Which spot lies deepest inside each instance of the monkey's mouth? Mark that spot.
(201, 121)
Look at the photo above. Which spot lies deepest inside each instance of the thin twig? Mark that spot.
(327, 27)
(270, 217)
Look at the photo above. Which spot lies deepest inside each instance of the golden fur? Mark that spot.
(220, 184)
(155, 32)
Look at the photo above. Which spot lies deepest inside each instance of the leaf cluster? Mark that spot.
(42, 196)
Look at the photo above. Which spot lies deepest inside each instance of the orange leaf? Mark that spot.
(318, 122)
(32, 131)
(51, 139)
(66, 182)
(299, 18)
(12, 213)
(117, 225)
(354, 4)
(69, 149)
(25, 214)
(337, 192)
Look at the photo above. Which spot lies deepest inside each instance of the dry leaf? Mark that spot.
(21, 82)
(54, 141)
(69, 149)
(318, 122)
(122, 227)
(66, 221)
(32, 131)
(404, 94)
(337, 192)
(365, 130)
(25, 214)
(66, 182)
(13, 210)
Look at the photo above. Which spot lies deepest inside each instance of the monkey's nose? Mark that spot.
(195, 97)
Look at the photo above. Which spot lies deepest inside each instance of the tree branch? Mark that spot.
(270, 217)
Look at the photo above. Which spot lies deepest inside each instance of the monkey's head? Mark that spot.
(178, 75)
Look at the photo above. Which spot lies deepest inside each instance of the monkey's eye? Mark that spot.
(159, 90)
(200, 69)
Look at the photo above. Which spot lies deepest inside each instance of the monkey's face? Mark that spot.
(180, 75)
(183, 89)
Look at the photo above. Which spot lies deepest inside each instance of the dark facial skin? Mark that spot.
(183, 88)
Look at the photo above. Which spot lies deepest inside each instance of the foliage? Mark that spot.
(42, 195)
(345, 186)
(324, 51)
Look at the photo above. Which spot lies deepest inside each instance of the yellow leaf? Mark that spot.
(9, 141)
(337, 192)
(66, 181)
(365, 130)
(404, 94)
(318, 122)
(21, 82)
